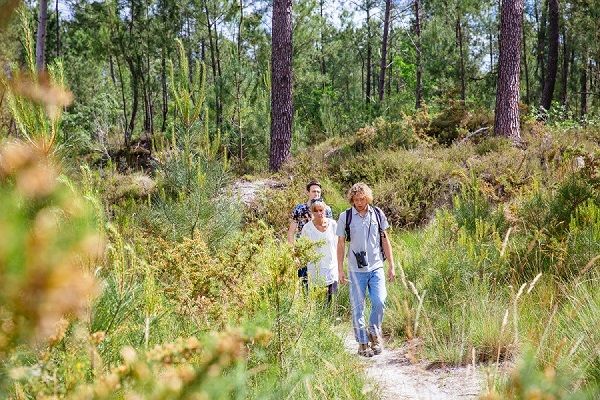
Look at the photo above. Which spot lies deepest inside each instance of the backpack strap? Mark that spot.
(382, 233)
(348, 220)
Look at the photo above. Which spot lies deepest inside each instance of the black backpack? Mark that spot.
(378, 214)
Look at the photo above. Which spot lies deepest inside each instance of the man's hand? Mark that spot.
(342, 278)
(392, 273)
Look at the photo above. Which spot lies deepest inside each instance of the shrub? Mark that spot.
(409, 188)
(50, 245)
(382, 134)
(456, 120)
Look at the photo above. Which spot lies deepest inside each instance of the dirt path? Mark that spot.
(247, 191)
(396, 378)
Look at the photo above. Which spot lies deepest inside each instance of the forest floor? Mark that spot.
(392, 375)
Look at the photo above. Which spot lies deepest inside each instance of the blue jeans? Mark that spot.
(374, 281)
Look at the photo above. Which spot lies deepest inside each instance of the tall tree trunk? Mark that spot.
(419, 62)
(583, 81)
(368, 61)
(565, 70)
(507, 97)
(390, 64)
(57, 12)
(40, 43)
(540, 68)
(362, 77)
(238, 83)
(213, 61)
(552, 64)
(322, 38)
(123, 101)
(282, 109)
(384, 47)
(491, 37)
(219, 81)
(165, 91)
(133, 69)
(461, 66)
(147, 79)
(526, 66)
(112, 69)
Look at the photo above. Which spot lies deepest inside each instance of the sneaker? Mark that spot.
(375, 343)
(364, 350)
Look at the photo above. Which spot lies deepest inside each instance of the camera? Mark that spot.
(361, 258)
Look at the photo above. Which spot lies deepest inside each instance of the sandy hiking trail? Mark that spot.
(394, 377)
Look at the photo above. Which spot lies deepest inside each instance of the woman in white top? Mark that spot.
(321, 228)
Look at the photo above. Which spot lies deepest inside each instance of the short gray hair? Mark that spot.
(317, 202)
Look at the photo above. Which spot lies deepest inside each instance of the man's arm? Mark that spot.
(341, 247)
(291, 236)
(387, 250)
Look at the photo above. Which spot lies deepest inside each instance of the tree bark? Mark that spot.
(384, 47)
(552, 63)
(40, 44)
(282, 110)
(507, 97)
(419, 69)
(526, 66)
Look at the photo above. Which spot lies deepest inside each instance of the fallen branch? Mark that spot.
(470, 135)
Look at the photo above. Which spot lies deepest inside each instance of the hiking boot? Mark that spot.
(364, 350)
(375, 343)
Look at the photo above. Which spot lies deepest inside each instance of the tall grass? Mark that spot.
(477, 298)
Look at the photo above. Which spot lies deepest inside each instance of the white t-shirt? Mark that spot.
(325, 272)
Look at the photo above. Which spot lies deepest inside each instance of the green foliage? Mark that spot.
(36, 100)
(471, 207)
(190, 198)
(558, 223)
(530, 379)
